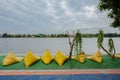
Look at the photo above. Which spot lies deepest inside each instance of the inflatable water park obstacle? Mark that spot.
(30, 58)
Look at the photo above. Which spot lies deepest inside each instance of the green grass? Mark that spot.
(107, 63)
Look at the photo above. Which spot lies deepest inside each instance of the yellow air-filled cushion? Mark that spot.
(117, 55)
(10, 59)
(60, 58)
(80, 57)
(47, 57)
(30, 58)
(96, 57)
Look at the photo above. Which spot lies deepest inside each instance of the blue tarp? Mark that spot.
(63, 77)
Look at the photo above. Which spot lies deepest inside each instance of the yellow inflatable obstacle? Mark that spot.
(30, 58)
(47, 57)
(10, 59)
(117, 55)
(96, 57)
(80, 57)
(60, 58)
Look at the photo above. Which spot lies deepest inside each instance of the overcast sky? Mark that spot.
(50, 16)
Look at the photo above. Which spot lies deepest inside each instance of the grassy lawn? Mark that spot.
(107, 63)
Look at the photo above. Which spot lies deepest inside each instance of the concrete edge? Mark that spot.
(60, 72)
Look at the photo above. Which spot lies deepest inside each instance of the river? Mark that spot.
(39, 45)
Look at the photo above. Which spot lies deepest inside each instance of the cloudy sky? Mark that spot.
(51, 16)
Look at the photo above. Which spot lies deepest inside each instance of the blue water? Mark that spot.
(64, 77)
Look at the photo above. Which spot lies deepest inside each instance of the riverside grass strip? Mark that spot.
(107, 63)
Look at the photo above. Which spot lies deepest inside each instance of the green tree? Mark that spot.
(78, 42)
(111, 52)
(5, 35)
(113, 6)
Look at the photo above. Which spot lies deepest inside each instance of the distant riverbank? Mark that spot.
(7, 35)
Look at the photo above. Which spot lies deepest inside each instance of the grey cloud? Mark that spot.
(50, 16)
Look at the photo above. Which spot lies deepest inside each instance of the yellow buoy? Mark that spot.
(47, 57)
(10, 59)
(96, 57)
(80, 57)
(117, 55)
(30, 58)
(60, 58)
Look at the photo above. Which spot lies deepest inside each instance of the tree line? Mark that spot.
(6, 35)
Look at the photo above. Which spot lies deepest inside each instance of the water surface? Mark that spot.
(39, 45)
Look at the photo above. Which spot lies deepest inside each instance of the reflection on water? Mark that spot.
(39, 45)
